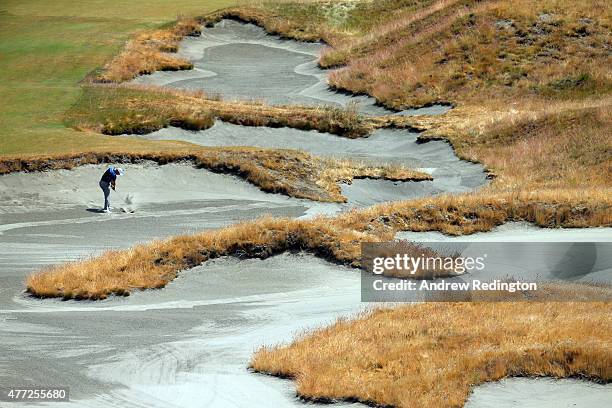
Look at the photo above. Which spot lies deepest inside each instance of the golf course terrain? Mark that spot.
(263, 143)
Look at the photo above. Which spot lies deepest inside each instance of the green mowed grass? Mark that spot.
(47, 48)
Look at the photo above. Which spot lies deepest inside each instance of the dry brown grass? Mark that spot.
(433, 354)
(484, 50)
(117, 109)
(154, 264)
(150, 51)
(484, 210)
(536, 144)
(289, 172)
(528, 144)
(275, 22)
(344, 171)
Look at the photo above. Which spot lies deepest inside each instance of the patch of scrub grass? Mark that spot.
(150, 51)
(533, 144)
(431, 355)
(497, 49)
(48, 47)
(124, 108)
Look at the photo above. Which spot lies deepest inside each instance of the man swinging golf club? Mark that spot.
(107, 182)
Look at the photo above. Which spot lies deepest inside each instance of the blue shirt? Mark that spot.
(109, 175)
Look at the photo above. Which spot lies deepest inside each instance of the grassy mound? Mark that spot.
(431, 355)
(131, 109)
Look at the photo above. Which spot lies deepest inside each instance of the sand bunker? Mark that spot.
(540, 393)
(190, 341)
(392, 146)
(144, 185)
(241, 61)
(517, 232)
(539, 262)
(53, 217)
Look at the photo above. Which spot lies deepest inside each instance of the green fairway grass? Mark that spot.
(47, 48)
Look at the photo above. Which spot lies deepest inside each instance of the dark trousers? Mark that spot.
(106, 189)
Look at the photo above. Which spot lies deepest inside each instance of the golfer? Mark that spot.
(107, 182)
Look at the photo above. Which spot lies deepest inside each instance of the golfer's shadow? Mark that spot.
(95, 210)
